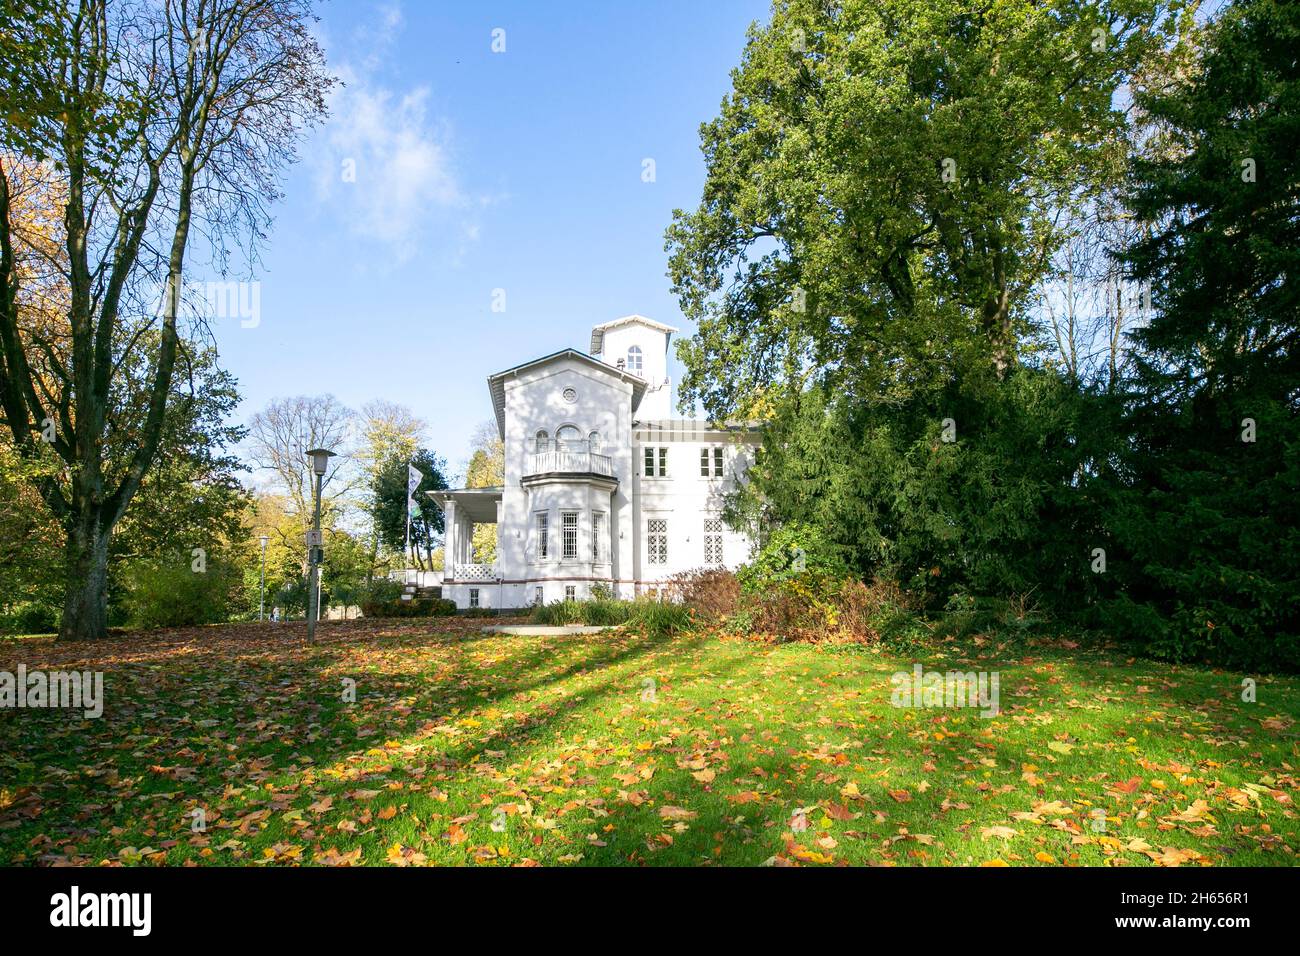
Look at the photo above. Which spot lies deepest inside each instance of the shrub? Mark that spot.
(417, 607)
(818, 608)
(602, 612)
(29, 618)
(793, 552)
(171, 594)
(380, 590)
(479, 612)
(712, 593)
(659, 618)
(557, 613)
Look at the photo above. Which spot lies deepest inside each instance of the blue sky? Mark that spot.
(477, 171)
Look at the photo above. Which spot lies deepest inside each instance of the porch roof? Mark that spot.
(477, 504)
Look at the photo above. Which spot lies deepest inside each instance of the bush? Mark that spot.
(479, 612)
(601, 612)
(172, 594)
(416, 607)
(29, 618)
(793, 552)
(712, 593)
(557, 613)
(381, 590)
(816, 607)
(659, 618)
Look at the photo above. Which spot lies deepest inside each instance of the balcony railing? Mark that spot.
(574, 461)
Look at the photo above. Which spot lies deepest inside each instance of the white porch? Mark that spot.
(463, 508)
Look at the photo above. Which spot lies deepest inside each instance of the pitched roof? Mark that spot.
(598, 333)
(497, 381)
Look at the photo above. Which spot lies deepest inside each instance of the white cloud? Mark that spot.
(385, 164)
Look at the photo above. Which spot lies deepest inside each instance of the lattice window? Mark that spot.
(713, 541)
(656, 540)
(543, 536)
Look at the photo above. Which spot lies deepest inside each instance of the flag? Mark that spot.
(414, 478)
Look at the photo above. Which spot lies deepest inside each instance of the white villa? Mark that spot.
(602, 486)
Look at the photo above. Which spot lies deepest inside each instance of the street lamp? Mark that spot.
(261, 604)
(320, 459)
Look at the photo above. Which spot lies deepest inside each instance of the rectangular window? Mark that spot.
(473, 597)
(713, 541)
(656, 540)
(711, 462)
(539, 596)
(569, 533)
(597, 535)
(570, 592)
(543, 536)
(656, 463)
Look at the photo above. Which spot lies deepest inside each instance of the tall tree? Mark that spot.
(164, 121)
(1208, 525)
(878, 201)
(388, 430)
(388, 505)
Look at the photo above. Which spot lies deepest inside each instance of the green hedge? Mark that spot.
(417, 607)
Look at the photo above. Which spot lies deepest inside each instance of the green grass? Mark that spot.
(625, 748)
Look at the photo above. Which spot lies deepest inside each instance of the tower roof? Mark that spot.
(598, 333)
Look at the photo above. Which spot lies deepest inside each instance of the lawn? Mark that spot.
(619, 748)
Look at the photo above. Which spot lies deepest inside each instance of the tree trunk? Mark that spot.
(85, 601)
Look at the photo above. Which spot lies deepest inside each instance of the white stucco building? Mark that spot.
(602, 485)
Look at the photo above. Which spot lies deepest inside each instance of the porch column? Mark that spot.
(449, 541)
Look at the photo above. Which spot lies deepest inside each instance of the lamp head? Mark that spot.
(320, 458)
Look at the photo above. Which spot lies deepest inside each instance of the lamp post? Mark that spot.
(261, 604)
(320, 458)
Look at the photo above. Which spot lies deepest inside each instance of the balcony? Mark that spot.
(572, 458)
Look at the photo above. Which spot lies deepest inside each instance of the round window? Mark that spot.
(570, 395)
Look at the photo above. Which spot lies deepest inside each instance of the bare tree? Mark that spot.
(164, 119)
(279, 435)
(1087, 301)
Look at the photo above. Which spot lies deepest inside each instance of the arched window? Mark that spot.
(634, 360)
(593, 442)
(543, 440)
(567, 438)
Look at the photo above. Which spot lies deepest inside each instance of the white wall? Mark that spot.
(534, 400)
(653, 343)
(685, 499)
